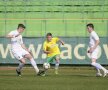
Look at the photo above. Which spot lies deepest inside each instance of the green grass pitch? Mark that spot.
(70, 78)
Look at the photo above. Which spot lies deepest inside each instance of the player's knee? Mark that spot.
(57, 61)
(23, 61)
(57, 58)
(28, 56)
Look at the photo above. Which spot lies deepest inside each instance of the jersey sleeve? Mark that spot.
(44, 46)
(11, 33)
(95, 36)
(14, 33)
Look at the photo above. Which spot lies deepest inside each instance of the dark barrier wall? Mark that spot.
(73, 52)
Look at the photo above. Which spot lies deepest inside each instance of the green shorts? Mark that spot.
(50, 59)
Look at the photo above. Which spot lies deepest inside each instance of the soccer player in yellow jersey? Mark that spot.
(50, 47)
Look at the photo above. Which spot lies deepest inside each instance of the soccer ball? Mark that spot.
(46, 65)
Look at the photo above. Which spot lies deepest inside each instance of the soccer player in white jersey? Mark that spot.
(19, 50)
(94, 50)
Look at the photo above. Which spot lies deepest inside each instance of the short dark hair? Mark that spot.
(21, 25)
(49, 34)
(90, 25)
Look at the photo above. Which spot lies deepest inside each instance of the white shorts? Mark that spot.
(19, 54)
(94, 54)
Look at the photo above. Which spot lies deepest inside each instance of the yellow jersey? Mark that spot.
(51, 46)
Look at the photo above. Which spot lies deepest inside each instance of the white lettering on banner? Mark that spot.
(35, 53)
(44, 55)
(78, 56)
(68, 52)
(105, 47)
(4, 52)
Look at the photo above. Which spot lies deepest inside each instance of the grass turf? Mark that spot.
(70, 78)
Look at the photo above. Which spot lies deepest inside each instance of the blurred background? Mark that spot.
(61, 17)
(66, 19)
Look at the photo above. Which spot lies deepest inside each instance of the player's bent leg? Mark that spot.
(95, 65)
(99, 67)
(49, 60)
(33, 63)
(21, 65)
(57, 58)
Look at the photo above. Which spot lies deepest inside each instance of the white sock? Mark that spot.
(34, 65)
(20, 66)
(56, 65)
(98, 66)
(98, 70)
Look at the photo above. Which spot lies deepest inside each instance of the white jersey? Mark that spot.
(16, 41)
(93, 38)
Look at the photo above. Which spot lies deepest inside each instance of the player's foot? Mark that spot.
(98, 74)
(105, 73)
(18, 72)
(56, 71)
(41, 73)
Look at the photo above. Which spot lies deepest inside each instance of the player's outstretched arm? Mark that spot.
(45, 49)
(47, 52)
(61, 41)
(12, 36)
